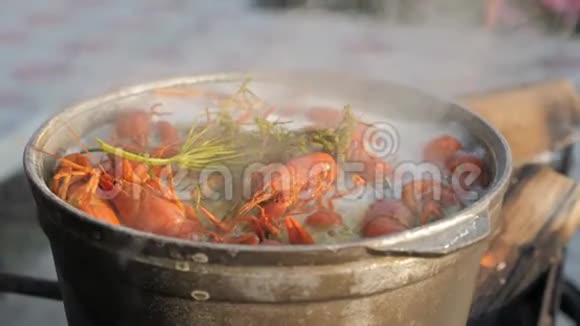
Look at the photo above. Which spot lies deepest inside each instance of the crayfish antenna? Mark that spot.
(257, 199)
(213, 219)
(85, 148)
(254, 223)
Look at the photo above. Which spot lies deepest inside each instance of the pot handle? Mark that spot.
(440, 238)
(26, 285)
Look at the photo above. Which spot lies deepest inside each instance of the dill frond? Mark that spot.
(196, 153)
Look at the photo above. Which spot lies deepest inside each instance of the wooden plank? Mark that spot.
(540, 196)
(536, 119)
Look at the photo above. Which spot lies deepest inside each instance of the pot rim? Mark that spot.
(481, 205)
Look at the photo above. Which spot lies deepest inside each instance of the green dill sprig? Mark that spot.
(335, 141)
(196, 152)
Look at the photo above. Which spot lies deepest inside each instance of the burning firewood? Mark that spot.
(541, 209)
(541, 212)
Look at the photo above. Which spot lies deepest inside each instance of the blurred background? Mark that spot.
(55, 53)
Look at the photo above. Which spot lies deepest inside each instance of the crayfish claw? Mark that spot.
(296, 232)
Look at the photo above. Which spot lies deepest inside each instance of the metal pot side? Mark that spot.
(117, 276)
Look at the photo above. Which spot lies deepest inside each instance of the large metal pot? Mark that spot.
(112, 275)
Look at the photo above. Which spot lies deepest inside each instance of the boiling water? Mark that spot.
(399, 140)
